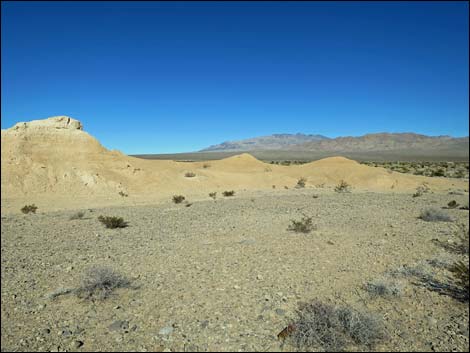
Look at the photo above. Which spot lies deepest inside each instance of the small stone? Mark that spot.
(259, 277)
(45, 331)
(236, 287)
(77, 344)
(280, 312)
(68, 269)
(168, 330)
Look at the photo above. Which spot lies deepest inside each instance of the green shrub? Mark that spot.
(305, 225)
(206, 165)
(213, 195)
(228, 193)
(452, 204)
(343, 186)
(178, 198)
(123, 194)
(29, 208)
(189, 175)
(301, 183)
(112, 222)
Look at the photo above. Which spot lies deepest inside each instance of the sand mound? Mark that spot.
(55, 159)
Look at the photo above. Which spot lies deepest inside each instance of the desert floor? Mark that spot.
(227, 274)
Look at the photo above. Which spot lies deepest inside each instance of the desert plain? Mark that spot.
(220, 273)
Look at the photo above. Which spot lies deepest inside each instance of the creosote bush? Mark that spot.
(343, 186)
(189, 175)
(99, 283)
(325, 327)
(29, 208)
(305, 225)
(213, 195)
(112, 222)
(434, 215)
(228, 193)
(178, 198)
(301, 183)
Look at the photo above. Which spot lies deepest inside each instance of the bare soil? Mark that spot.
(227, 275)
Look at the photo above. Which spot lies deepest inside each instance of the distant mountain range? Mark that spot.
(271, 142)
(403, 142)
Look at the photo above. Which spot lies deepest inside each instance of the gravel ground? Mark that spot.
(227, 274)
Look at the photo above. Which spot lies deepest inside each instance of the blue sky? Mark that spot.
(162, 77)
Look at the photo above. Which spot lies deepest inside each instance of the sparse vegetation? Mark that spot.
(343, 186)
(228, 193)
(123, 194)
(178, 198)
(422, 189)
(460, 272)
(206, 165)
(431, 169)
(29, 209)
(189, 175)
(99, 283)
(434, 215)
(213, 195)
(112, 222)
(325, 327)
(305, 225)
(383, 288)
(301, 183)
(78, 215)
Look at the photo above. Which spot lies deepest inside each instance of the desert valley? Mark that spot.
(104, 251)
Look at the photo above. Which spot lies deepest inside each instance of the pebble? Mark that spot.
(168, 330)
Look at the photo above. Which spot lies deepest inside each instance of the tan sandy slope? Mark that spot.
(55, 164)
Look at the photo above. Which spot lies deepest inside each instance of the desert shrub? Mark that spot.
(460, 271)
(78, 215)
(439, 173)
(206, 165)
(99, 282)
(112, 222)
(452, 204)
(324, 327)
(228, 193)
(178, 198)
(29, 208)
(301, 183)
(422, 189)
(267, 170)
(213, 195)
(434, 215)
(188, 204)
(123, 194)
(189, 175)
(382, 288)
(343, 186)
(464, 207)
(461, 246)
(305, 225)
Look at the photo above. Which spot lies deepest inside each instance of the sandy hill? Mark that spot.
(56, 164)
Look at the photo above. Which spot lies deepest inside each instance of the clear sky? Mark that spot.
(162, 77)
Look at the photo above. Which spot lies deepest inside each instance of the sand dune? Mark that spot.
(54, 160)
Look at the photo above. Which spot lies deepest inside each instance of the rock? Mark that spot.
(76, 344)
(168, 330)
(280, 312)
(55, 122)
(119, 325)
